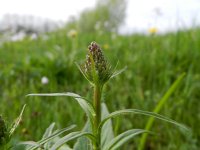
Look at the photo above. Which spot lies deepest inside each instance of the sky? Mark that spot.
(52, 9)
(140, 14)
(162, 14)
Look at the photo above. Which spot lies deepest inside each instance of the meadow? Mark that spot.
(153, 63)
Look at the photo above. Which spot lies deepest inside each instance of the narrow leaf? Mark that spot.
(123, 138)
(30, 143)
(137, 111)
(157, 109)
(107, 130)
(48, 131)
(86, 105)
(70, 137)
(43, 141)
(84, 143)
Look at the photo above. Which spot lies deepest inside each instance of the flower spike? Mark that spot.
(96, 69)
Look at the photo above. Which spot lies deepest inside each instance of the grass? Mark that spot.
(153, 62)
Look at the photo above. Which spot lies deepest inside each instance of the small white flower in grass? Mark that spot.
(44, 80)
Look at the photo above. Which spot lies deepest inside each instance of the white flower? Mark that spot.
(44, 80)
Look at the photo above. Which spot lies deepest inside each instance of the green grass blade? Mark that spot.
(86, 105)
(70, 137)
(157, 109)
(123, 138)
(141, 112)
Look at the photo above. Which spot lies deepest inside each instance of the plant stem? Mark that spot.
(97, 106)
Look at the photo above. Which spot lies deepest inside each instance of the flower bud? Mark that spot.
(96, 69)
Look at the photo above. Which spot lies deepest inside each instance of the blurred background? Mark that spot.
(157, 40)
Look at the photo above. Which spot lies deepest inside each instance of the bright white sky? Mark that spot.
(141, 14)
(53, 9)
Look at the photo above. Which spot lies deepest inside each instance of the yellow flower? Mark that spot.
(153, 30)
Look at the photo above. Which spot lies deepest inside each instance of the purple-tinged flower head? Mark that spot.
(96, 69)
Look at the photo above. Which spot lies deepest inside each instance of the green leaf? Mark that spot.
(137, 111)
(157, 109)
(72, 136)
(86, 105)
(48, 132)
(16, 123)
(84, 143)
(65, 147)
(107, 130)
(43, 141)
(123, 138)
(29, 143)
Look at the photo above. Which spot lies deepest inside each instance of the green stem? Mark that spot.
(97, 106)
(157, 109)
